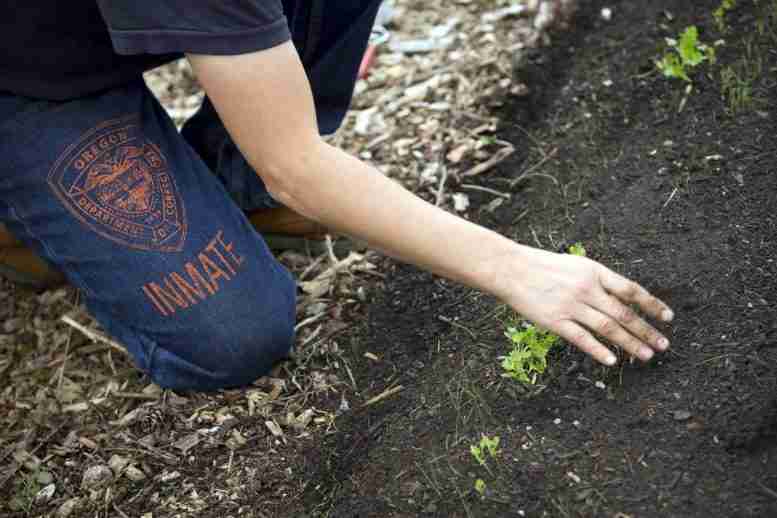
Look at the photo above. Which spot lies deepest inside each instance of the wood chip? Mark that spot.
(380, 397)
(187, 443)
(274, 428)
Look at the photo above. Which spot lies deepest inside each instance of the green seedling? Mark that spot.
(480, 487)
(578, 249)
(737, 80)
(529, 357)
(486, 445)
(684, 55)
(736, 88)
(720, 14)
(24, 499)
(488, 140)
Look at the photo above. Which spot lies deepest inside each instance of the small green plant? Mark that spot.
(488, 445)
(24, 499)
(737, 80)
(686, 54)
(578, 249)
(736, 88)
(720, 14)
(480, 487)
(528, 359)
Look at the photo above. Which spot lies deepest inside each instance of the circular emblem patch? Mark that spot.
(116, 181)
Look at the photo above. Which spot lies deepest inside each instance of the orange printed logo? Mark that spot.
(200, 278)
(117, 182)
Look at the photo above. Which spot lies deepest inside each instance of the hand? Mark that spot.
(578, 298)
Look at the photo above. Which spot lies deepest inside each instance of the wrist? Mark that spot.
(505, 268)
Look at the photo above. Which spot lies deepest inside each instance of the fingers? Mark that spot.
(632, 293)
(609, 328)
(585, 341)
(631, 322)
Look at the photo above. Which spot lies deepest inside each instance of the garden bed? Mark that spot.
(682, 201)
(390, 390)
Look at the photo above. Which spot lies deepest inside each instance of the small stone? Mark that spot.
(44, 478)
(169, 476)
(67, 508)
(600, 385)
(557, 421)
(97, 477)
(681, 415)
(117, 463)
(134, 474)
(86, 442)
(45, 494)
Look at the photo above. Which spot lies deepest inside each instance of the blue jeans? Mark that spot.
(150, 223)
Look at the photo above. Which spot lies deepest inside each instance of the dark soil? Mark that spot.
(684, 202)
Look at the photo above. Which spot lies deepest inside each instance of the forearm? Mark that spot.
(354, 198)
(266, 103)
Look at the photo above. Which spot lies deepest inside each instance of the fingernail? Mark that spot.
(663, 344)
(610, 360)
(646, 353)
(667, 315)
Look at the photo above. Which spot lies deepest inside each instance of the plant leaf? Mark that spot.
(689, 47)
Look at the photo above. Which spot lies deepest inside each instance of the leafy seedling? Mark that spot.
(480, 487)
(720, 14)
(529, 357)
(684, 55)
(488, 445)
(27, 489)
(578, 249)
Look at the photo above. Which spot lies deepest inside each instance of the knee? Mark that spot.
(232, 347)
(252, 344)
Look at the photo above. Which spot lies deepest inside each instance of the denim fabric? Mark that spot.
(107, 190)
(150, 223)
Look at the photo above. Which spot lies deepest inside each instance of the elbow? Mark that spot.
(289, 177)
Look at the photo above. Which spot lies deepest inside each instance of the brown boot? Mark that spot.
(282, 229)
(22, 266)
(286, 222)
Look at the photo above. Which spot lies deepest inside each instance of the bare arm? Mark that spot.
(266, 104)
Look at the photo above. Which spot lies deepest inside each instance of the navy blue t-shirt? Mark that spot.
(60, 50)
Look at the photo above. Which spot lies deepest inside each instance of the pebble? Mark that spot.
(681, 415)
(134, 474)
(44, 478)
(170, 476)
(45, 494)
(117, 463)
(97, 476)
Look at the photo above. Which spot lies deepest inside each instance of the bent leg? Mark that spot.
(106, 189)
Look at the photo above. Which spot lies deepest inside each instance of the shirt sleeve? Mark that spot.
(219, 27)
